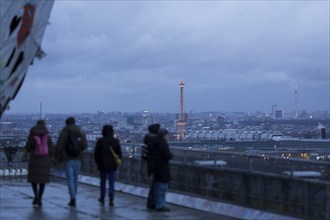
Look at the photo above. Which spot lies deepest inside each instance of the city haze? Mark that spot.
(130, 56)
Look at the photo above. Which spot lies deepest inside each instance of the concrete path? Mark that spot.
(16, 203)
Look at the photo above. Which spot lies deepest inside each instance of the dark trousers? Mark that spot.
(38, 191)
(151, 196)
(111, 177)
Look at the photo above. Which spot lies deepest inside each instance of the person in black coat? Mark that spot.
(149, 140)
(161, 156)
(106, 163)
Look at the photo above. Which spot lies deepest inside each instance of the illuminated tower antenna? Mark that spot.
(295, 102)
(182, 120)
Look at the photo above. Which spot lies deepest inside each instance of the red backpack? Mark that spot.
(41, 148)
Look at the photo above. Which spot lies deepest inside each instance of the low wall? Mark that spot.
(309, 199)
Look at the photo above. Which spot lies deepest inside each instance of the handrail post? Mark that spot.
(184, 156)
(291, 168)
(250, 163)
(328, 203)
(215, 159)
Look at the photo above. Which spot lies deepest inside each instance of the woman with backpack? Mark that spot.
(40, 147)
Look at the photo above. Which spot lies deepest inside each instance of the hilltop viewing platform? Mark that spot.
(238, 90)
(215, 192)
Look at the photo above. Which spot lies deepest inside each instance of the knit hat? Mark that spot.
(70, 121)
(154, 128)
(107, 130)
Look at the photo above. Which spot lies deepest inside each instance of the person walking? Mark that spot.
(149, 140)
(71, 136)
(40, 148)
(161, 156)
(105, 162)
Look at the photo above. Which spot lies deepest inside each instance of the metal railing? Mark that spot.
(241, 161)
(271, 192)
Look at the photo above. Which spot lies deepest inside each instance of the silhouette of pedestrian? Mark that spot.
(106, 162)
(40, 148)
(149, 140)
(70, 134)
(161, 156)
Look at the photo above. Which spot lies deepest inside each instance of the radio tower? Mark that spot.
(295, 102)
(182, 121)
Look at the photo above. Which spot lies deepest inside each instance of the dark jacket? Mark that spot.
(149, 140)
(102, 154)
(61, 154)
(39, 166)
(161, 156)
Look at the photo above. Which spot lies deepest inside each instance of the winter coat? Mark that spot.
(161, 156)
(149, 140)
(61, 154)
(39, 166)
(102, 154)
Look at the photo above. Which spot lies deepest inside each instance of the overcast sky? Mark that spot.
(131, 55)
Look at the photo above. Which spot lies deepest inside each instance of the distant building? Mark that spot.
(278, 114)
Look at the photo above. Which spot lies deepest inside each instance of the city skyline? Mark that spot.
(131, 56)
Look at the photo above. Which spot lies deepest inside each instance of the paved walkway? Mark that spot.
(16, 203)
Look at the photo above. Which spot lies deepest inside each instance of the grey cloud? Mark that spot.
(223, 50)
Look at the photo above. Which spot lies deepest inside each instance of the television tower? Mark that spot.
(41, 114)
(295, 102)
(182, 121)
